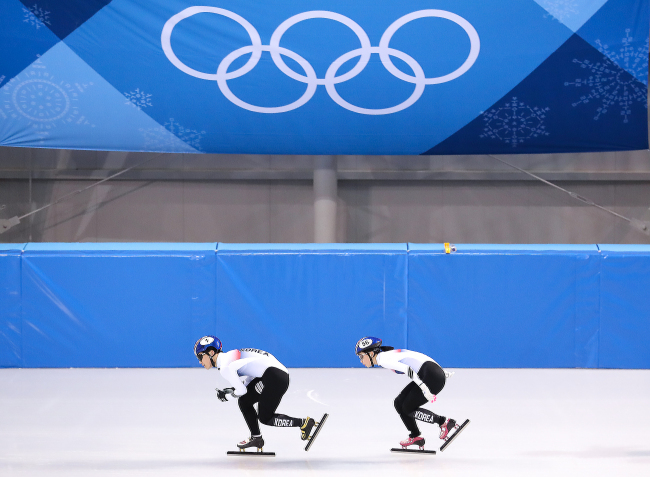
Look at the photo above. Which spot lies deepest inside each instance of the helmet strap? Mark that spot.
(213, 359)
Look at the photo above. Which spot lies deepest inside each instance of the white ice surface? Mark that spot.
(168, 422)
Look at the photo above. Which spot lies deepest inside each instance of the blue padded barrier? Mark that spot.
(625, 306)
(115, 305)
(309, 304)
(504, 306)
(10, 305)
(144, 305)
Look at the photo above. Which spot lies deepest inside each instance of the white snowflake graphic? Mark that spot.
(159, 139)
(36, 16)
(634, 61)
(514, 123)
(44, 102)
(609, 85)
(138, 98)
(561, 10)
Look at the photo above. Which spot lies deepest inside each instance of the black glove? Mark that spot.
(221, 394)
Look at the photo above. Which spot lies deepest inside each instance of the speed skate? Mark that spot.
(412, 451)
(452, 435)
(419, 441)
(414, 441)
(318, 426)
(244, 453)
(259, 453)
(253, 442)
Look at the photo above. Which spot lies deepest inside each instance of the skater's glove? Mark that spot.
(222, 393)
(427, 394)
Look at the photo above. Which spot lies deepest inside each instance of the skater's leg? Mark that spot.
(246, 406)
(275, 383)
(425, 415)
(406, 403)
(434, 377)
(411, 398)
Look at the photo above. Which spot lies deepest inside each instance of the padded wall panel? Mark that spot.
(308, 305)
(625, 307)
(144, 305)
(10, 304)
(588, 323)
(123, 305)
(502, 306)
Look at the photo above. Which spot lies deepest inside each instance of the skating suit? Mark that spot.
(258, 378)
(240, 366)
(421, 369)
(411, 363)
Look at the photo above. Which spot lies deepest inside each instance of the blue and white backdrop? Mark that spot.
(325, 76)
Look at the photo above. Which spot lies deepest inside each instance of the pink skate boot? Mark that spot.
(413, 441)
(445, 428)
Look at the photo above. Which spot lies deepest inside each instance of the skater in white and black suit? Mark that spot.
(428, 379)
(256, 377)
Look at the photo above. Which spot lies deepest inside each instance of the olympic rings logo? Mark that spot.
(309, 78)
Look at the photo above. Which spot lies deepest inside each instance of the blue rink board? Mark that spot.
(309, 304)
(144, 305)
(625, 306)
(10, 305)
(115, 305)
(504, 306)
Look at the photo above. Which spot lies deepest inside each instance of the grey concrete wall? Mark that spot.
(205, 198)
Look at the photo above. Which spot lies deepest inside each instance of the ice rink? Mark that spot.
(168, 422)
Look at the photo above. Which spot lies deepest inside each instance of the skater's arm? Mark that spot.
(229, 372)
(388, 361)
(391, 361)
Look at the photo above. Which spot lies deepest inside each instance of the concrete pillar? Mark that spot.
(325, 197)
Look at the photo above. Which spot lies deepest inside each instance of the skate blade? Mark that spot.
(318, 428)
(411, 451)
(450, 439)
(248, 454)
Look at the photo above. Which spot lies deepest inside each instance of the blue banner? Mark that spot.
(325, 76)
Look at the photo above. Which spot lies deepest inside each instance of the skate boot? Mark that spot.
(306, 428)
(447, 427)
(256, 441)
(413, 441)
